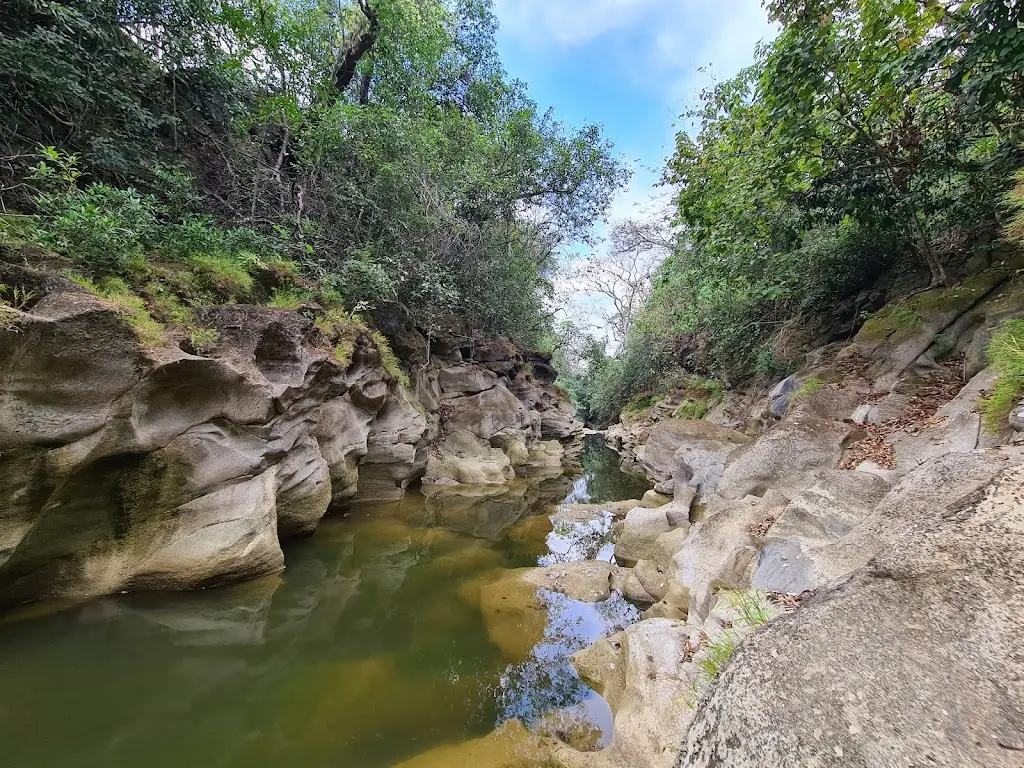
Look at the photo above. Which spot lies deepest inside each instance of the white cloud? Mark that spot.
(668, 49)
(571, 22)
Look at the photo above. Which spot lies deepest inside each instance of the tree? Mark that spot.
(620, 279)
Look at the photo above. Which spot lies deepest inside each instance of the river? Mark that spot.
(368, 650)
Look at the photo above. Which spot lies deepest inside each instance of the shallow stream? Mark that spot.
(369, 650)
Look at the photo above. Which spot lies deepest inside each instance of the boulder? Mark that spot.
(687, 453)
(638, 673)
(720, 551)
(914, 660)
(588, 582)
(640, 531)
(780, 395)
(896, 337)
(955, 428)
(787, 458)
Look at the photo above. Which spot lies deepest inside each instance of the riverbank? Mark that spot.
(136, 462)
(837, 579)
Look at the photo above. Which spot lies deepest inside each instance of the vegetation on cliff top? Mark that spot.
(371, 151)
(871, 135)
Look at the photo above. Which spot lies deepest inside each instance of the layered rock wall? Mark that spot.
(125, 467)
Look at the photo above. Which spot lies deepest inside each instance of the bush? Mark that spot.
(101, 228)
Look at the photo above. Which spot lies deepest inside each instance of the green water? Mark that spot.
(368, 650)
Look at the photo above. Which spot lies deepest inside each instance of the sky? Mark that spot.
(633, 66)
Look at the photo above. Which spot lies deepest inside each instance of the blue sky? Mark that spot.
(633, 66)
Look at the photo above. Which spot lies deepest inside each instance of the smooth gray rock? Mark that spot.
(913, 661)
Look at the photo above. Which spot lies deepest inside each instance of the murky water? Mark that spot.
(372, 648)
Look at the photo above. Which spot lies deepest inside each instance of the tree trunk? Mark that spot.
(348, 59)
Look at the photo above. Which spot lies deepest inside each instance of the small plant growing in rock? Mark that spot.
(805, 390)
(753, 612)
(389, 360)
(1006, 356)
(288, 298)
(13, 299)
(202, 340)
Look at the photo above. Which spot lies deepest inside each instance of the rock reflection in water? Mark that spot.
(363, 654)
(602, 479)
(546, 682)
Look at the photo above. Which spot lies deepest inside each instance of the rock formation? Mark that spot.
(126, 467)
(872, 509)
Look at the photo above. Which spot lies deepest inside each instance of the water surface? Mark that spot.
(370, 649)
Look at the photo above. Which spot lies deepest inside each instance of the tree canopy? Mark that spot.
(377, 143)
(871, 135)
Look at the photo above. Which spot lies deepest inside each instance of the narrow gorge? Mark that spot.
(512, 384)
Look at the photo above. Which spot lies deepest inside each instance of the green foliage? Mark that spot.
(427, 187)
(1006, 355)
(101, 228)
(868, 134)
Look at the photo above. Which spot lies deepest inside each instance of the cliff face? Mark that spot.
(124, 467)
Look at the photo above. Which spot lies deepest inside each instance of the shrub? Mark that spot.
(102, 228)
(1006, 356)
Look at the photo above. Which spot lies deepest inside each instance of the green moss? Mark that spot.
(888, 321)
(1006, 355)
(692, 410)
(133, 308)
(641, 403)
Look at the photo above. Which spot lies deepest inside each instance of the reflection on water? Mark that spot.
(370, 649)
(602, 480)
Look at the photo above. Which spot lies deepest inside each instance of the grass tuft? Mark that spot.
(805, 390)
(289, 298)
(389, 360)
(227, 277)
(1005, 354)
